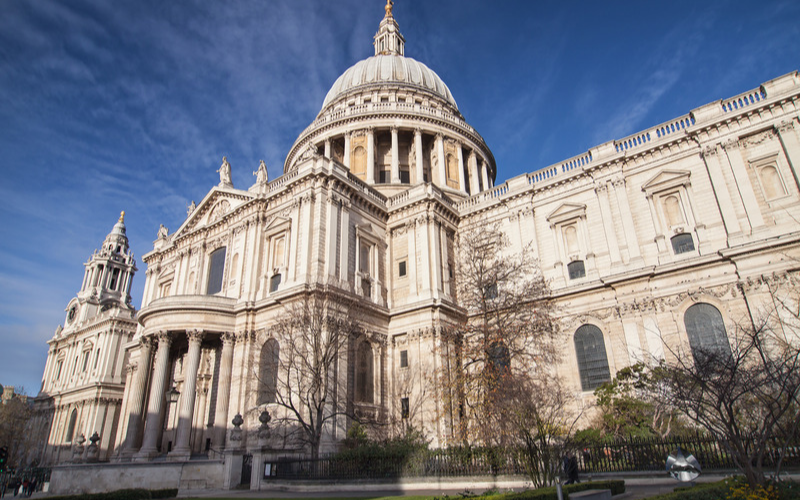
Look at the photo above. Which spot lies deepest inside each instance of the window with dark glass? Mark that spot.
(576, 269)
(215, 270)
(682, 243)
(403, 358)
(590, 349)
(274, 282)
(405, 178)
(402, 268)
(490, 291)
(404, 408)
(383, 176)
(73, 418)
(363, 387)
(85, 361)
(268, 372)
(706, 331)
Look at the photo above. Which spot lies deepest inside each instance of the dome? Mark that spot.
(389, 68)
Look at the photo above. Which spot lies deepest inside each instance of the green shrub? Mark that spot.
(549, 493)
(702, 491)
(165, 493)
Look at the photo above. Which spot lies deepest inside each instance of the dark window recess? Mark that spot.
(590, 349)
(274, 282)
(215, 271)
(383, 177)
(364, 389)
(682, 243)
(402, 268)
(490, 291)
(404, 408)
(576, 269)
(403, 358)
(268, 376)
(405, 178)
(366, 287)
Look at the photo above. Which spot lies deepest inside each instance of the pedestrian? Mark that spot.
(25, 485)
(571, 468)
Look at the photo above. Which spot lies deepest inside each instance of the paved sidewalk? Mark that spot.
(636, 487)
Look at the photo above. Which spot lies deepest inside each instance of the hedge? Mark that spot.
(549, 493)
(130, 494)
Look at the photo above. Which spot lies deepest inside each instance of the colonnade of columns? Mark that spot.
(150, 417)
(99, 275)
(477, 169)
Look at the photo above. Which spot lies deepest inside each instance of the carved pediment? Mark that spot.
(565, 212)
(216, 205)
(666, 179)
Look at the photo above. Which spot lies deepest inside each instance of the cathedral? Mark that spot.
(649, 243)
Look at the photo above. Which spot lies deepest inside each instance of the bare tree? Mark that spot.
(506, 329)
(746, 396)
(16, 426)
(542, 414)
(314, 335)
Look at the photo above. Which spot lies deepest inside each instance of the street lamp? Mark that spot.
(173, 395)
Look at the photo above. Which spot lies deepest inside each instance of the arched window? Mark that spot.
(71, 426)
(215, 269)
(498, 361)
(268, 374)
(364, 390)
(706, 331)
(590, 350)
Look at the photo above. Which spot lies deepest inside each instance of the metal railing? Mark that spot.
(626, 455)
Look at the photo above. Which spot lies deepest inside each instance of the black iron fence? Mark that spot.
(629, 455)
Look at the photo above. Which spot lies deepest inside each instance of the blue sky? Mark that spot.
(131, 104)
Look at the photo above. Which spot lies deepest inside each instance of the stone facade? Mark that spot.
(632, 234)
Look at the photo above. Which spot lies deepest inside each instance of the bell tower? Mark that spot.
(107, 279)
(388, 39)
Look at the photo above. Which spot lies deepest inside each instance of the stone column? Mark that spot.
(395, 158)
(223, 389)
(748, 196)
(485, 175)
(136, 398)
(435, 258)
(344, 242)
(182, 450)
(791, 147)
(418, 159)
(152, 428)
(327, 148)
(425, 247)
(629, 227)
(370, 156)
(461, 183)
(472, 165)
(441, 168)
(721, 192)
(601, 190)
(347, 150)
(411, 228)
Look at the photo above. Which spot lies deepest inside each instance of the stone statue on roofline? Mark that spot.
(225, 173)
(262, 176)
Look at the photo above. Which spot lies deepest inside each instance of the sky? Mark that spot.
(111, 105)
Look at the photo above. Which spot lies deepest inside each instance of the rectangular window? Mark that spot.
(58, 369)
(405, 177)
(215, 270)
(85, 361)
(274, 282)
(383, 176)
(404, 359)
(404, 408)
(96, 358)
(401, 268)
(576, 269)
